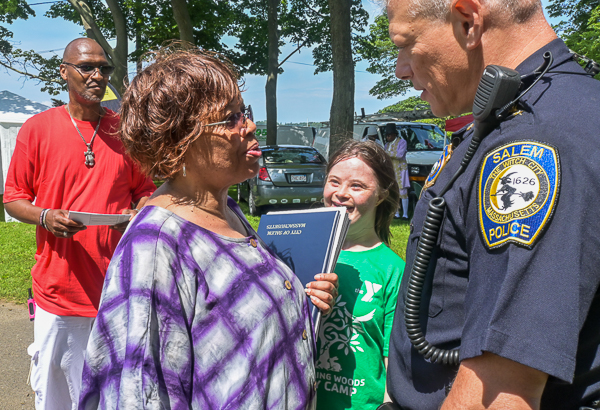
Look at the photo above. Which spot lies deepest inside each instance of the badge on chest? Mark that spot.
(517, 192)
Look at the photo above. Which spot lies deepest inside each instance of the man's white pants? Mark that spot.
(57, 355)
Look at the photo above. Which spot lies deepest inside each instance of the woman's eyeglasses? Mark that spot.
(88, 69)
(231, 121)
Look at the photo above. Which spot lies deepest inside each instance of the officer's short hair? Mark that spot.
(518, 11)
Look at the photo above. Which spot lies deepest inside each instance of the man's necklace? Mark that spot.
(89, 154)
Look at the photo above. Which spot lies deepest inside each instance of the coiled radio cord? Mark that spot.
(493, 102)
(425, 248)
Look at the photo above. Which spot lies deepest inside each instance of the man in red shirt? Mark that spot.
(69, 159)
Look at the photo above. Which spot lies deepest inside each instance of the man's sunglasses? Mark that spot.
(231, 121)
(87, 69)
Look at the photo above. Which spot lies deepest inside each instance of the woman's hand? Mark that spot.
(324, 291)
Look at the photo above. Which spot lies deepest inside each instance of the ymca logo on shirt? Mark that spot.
(372, 289)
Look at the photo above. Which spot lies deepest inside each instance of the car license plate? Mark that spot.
(298, 178)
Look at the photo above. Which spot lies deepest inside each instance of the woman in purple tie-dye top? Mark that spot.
(196, 313)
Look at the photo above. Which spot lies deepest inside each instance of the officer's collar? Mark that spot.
(560, 53)
(462, 130)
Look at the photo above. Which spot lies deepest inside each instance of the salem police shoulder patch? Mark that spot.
(517, 192)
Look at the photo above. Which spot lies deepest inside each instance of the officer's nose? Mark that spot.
(403, 69)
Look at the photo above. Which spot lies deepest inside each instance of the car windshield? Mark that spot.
(422, 138)
(292, 156)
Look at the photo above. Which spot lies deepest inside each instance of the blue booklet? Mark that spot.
(308, 241)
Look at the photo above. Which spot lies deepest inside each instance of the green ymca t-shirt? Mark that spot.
(354, 338)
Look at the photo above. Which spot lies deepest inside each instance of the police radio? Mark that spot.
(494, 102)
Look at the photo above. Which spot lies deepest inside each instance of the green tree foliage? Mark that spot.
(11, 10)
(378, 49)
(415, 103)
(27, 63)
(411, 103)
(303, 23)
(151, 23)
(322, 52)
(296, 25)
(581, 29)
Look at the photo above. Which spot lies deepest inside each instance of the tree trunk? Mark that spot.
(272, 68)
(184, 22)
(121, 48)
(138, 36)
(117, 55)
(342, 106)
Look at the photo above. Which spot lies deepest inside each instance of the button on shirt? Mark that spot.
(192, 319)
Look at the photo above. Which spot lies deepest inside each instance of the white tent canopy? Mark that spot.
(14, 111)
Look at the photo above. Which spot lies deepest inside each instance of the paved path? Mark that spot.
(16, 333)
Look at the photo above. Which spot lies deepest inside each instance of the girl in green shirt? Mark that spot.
(352, 344)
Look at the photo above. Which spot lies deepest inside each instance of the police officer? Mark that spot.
(513, 279)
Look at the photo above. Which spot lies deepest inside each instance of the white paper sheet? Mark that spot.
(90, 219)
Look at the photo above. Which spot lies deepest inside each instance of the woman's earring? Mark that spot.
(184, 174)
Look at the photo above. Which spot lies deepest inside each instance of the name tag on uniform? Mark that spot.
(517, 192)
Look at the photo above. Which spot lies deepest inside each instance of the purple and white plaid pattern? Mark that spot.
(193, 320)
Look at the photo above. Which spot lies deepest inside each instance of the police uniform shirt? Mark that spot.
(517, 265)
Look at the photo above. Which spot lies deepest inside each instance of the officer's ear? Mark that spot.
(467, 20)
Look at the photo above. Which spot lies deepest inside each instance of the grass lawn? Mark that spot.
(16, 259)
(17, 248)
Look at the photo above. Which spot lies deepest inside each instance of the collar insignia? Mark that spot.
(517, 192)
(437, 167)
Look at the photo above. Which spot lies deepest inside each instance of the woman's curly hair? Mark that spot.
(167, 105)
(380, 162)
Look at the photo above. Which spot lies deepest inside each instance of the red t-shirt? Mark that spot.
(48, 166)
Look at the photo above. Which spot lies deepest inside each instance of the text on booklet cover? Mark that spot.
(285, 229)
(307, 241)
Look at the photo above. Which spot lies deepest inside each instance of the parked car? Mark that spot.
(288, 175)
(287, 135)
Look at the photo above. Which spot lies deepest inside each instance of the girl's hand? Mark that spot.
(324, 291)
